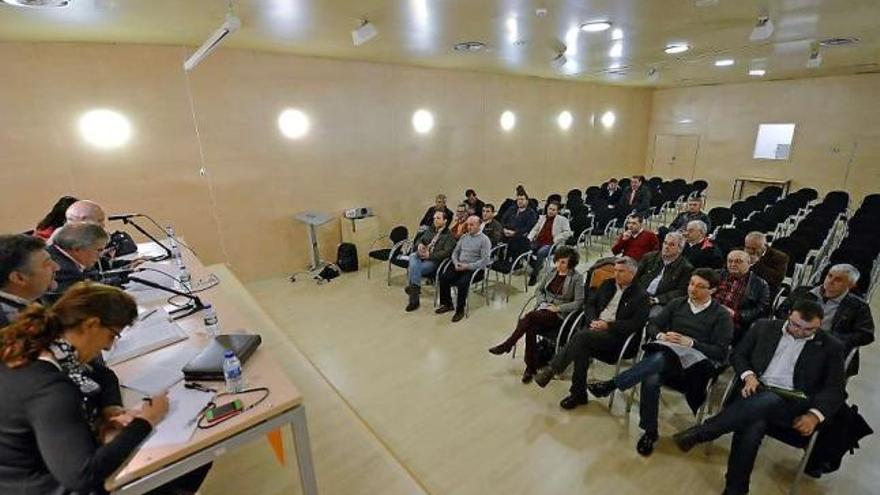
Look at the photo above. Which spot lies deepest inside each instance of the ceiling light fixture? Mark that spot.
(757, 72)
(617, 34)
(508, 120)
(616, 50)
(763, 28)
(422, 121)
(559, 60)
(564, 120)
(469, 46)
(364, 33)
(104, 128)
(724, 62)
(38, 4)
(231, 25)
(595, 26)
(653, 74)
(815, 59)
(293, 123)
(839, 41)
(674, 48)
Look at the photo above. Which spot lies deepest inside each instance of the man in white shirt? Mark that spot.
(791, 375)
(26, 273)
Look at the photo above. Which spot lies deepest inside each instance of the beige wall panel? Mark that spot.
(361, 149)
(831, 115)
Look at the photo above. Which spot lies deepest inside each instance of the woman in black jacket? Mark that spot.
(54, 436)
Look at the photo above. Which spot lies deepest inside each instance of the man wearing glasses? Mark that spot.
(743, 293)
(789, 375)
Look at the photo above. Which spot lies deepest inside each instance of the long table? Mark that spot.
(740, 182)
(150, 468)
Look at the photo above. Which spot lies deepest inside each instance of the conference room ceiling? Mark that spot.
(521, 37)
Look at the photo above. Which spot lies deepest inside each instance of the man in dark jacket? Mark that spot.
(611, 193)
(439, 205)
(430, 248)
(695, 333)
(76, 248)
(635, 199)
(743, 293)
(846, 316)
(518, 222)
(790, 375)
(771, 264)
(27, 272)
(616, 310)
(664, 274)
(699, 250)
(694, 212)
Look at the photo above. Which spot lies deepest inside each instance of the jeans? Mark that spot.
(419, 268)
(541, 253)
(647, 371)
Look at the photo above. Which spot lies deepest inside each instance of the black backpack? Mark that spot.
(347, 257)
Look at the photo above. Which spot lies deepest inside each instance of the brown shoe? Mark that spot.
(443, 309)
(457, 316)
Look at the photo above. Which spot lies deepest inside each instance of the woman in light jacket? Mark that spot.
(559, 292)
(551, 229)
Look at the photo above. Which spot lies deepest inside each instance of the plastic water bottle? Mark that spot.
(184, 279)
(233, 373)
(212, 325)
(175, 249)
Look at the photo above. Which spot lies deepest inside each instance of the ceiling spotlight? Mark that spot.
(364, 33)
(763, 29)
(815, 59)
(676, 48)
(616, 50)
(231, 25)
(38, 4)
(617, 34)
(653, 74)
(559, 60)
(595, 26)
(724, 62)
(469, 46)
(757, 72)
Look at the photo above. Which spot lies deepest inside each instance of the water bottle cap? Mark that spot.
(228, 354)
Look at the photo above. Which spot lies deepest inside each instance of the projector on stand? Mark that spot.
(358, 213)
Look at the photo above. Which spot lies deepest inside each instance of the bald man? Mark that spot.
(86, 211)
(470, 254)
(743, 293)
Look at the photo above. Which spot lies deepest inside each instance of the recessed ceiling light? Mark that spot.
(105, 128)
(469, 46)
(839, 41)
(724, 62)
(595, 26)
(676, 48)
(757, 72)
(617, 34)
(293, 123)
(39, 4)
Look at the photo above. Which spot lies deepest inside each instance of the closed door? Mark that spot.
(675, 156)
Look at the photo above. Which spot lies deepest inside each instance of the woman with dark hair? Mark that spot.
(55, 435)
(55, 218)
(559, 292)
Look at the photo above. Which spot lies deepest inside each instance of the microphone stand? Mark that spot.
(167, 255)
(194, 306)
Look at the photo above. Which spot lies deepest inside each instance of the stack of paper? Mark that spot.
(180, 422)
(153, 332)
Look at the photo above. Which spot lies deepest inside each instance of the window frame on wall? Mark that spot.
(769, 127)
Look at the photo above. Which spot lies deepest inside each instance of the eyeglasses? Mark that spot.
(116, 334)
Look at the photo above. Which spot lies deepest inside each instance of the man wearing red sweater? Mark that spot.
(635, 241)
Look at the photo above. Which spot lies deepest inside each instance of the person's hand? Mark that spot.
(626, 235)
(118, 420)
(552, 307)
(154, 409)
(806, 424)
(599, 325)
(677, 338)
(460, 267)
(750, 385)
(509, 233)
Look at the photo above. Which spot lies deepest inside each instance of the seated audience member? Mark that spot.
(665, 274)
(699, 250)
(635, 241)
(616, 310)
(471, 254)
(58, 435)
(560, 292)
(550, 229)
(789, 375)
(27, 272)
(845, 315)
(458, 227)
(742, 293)
(693, 212)
(76, 248)
(491, 227)
(694, 338)
(474, 204)
(55, 218)
(611, 193)
(432, 246)
(635, 199)
(518, 222)
(439, 205)
(771, 264)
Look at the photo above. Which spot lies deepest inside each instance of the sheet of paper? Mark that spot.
(687, 355)
(154, 331)
(159, 273)
(162, 375)
(180, 422)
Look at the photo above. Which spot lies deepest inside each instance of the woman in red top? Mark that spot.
(55, 218)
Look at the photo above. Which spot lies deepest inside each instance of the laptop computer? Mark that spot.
(208, 364)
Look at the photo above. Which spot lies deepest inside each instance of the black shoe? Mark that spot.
(457, 316)
(410, 289)
(527, 376)
(646, 444)
(544, 376)
(500, 349)
(572, 401)
(413, 301)
(444, 308)
(601, 389)
(533, 278)
(687, 439)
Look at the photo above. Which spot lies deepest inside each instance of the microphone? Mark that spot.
(123, 216)
(117, 277)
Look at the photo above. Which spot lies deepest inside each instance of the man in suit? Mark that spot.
(790, 375)
(846, 316)
(635, 199)
(27, 272)
(618, 309)
(518, 222)
(771, 264)
(635, 241)
(664, 274)
(611, 193)
(743, 293)
(76, 248)
(699, 249)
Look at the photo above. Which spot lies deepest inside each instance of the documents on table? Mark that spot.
(162, 375)
(156, 330)
(182, 418)
(159, 273)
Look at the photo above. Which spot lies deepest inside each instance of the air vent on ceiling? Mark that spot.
(469, 46)
(41, 4)
(839, 41)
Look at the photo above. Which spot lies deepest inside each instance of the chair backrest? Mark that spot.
(398, 234)
(600, 272)
(720, 216)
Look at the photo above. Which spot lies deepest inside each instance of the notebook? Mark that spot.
(208, 364)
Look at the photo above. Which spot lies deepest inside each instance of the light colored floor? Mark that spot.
(450, 418)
